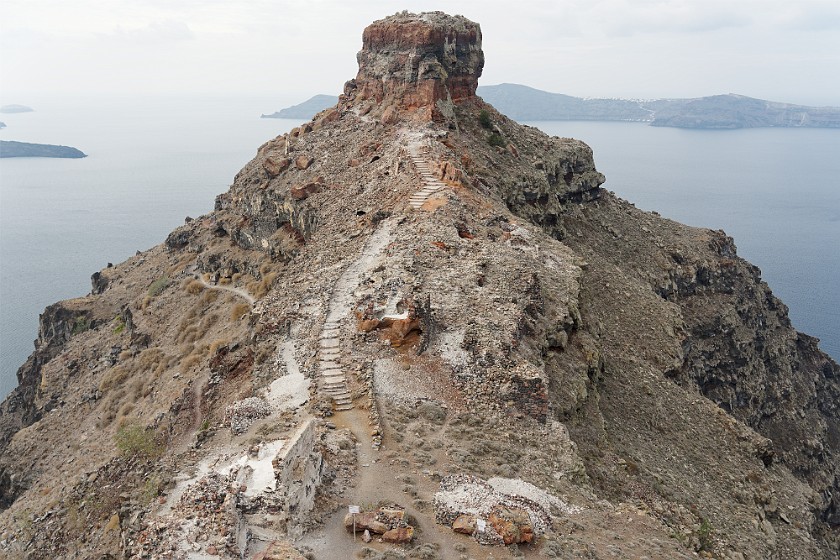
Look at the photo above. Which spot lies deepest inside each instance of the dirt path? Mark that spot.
(238, 291)
(332, 380)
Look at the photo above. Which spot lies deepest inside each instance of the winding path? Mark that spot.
(430, 183)
(238, 291)
(332, 380)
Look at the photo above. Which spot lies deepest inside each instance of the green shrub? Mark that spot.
(484, 119)
(134, 440)
(705, 540)
(80, 325)
(496, 140)
(158, 286)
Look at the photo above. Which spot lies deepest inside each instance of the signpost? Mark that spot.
(353, 511)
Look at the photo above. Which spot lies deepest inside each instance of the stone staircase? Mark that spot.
(333, 381)
(430, 184)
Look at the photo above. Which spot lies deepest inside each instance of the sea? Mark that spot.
(152, 161)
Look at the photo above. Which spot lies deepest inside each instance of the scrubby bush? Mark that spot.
(484, 119)
(158, 286)
(134, 440)
(238, 311)
(496, 140)
(193, 287)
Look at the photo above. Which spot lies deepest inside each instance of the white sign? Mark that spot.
(481, 525)
(355, 509)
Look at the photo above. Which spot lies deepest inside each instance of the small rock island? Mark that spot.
(16, 109)
(10, 149)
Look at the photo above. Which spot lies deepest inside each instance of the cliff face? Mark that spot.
(412, 285)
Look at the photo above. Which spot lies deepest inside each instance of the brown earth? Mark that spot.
(523, 325)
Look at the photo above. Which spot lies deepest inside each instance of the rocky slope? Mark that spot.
(415, 305)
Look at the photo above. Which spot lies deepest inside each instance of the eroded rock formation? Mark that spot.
(599, 380)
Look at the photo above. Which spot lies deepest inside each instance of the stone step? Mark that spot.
(341, 394)
(343, 401)
(338, 388)
(329, 343)
(333, 377)
(327, 364)
(343, 407)
(329, 334)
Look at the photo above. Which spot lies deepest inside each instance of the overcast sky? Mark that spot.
(783, 50)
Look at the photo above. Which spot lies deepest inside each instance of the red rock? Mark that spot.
(417, 61)
(400, 535)
(303, 162)
(513, 524)
(464, 524)
(365, 520)
(301, 192)
(274, 166)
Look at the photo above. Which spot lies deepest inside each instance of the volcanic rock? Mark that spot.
(605, 381)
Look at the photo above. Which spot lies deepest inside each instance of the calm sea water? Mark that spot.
(151, 163)
(154, 161)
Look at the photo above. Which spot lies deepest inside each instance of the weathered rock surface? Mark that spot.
(425, 62)
(625, 382)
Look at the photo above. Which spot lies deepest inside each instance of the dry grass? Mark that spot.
(193, 287)
(259, 288)
(215, 345)
(209, 296)
(113, 377)
(238, 311)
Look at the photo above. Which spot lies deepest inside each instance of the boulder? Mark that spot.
(464, 524)
(303, 162)
(513, 524)
(275, 166)
(302, 192)
(365, 521)
(400, 535)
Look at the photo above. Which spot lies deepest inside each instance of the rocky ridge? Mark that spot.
(626, 386)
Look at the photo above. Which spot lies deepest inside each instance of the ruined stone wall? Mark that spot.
(298, 471)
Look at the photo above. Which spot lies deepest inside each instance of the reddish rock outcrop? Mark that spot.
(513, 524)
(414, 61)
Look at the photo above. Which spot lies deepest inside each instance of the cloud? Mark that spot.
(156, 32)
(623, 18)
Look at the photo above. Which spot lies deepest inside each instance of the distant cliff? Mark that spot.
(9, 149)
(305, 110)
(718, 111)
(739, 111)
(523, 103)
(15, 109)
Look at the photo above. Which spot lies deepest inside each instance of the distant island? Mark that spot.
(305, 110)
(9, 149)
(730, 111)
(15, 109)
(2, 125)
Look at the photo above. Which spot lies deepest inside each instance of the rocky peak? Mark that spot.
(417, 62)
